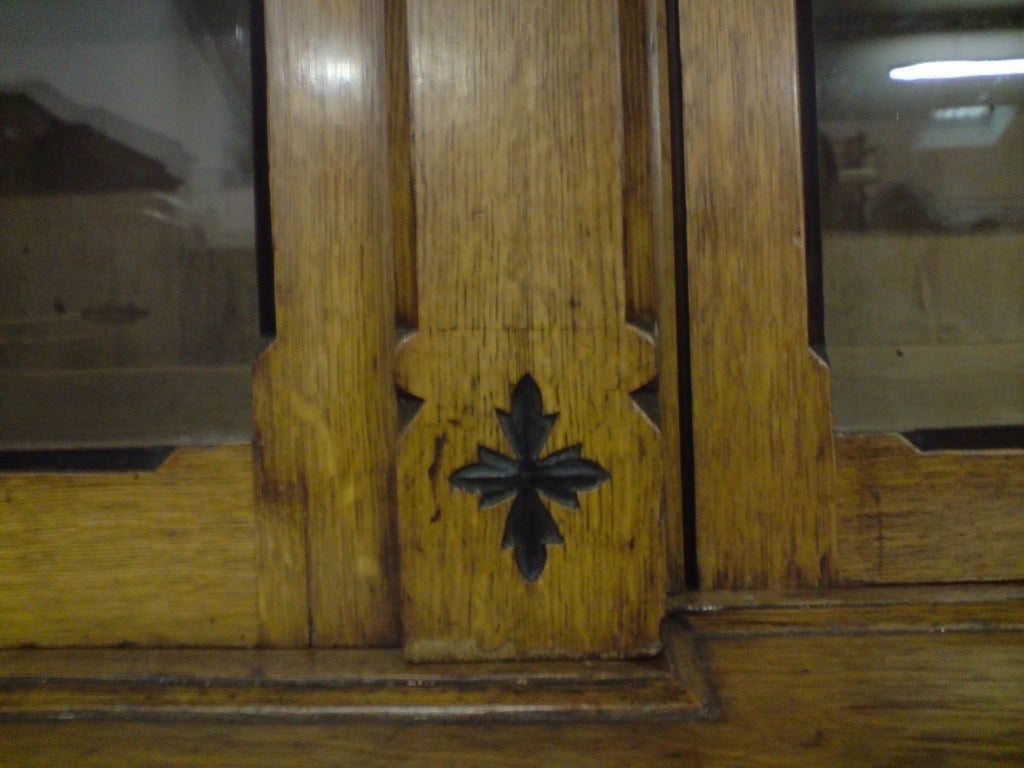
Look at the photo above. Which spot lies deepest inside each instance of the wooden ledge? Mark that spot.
(865, 610)
(339, 685)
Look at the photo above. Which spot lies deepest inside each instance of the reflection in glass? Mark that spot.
(921, 177)
(128, 301)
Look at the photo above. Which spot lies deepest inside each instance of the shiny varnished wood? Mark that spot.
(827, 697)
(325, 407)
(517, 125)
(165, 557)
(761, 412)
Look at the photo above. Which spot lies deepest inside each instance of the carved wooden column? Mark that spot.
(529, 481)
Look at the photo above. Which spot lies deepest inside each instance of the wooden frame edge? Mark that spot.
(338, 685)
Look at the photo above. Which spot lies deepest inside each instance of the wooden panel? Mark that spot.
(324, 401)
(517, 125)
(157, 558)
(832, 699)
(761, 412)
(907, 516)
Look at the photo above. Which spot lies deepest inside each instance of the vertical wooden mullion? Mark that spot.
(324, 402)
(525, 226)
(763, 446)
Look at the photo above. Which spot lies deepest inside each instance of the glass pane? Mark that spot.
(921, 172)
(128, 297)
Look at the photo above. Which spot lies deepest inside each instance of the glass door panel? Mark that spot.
(128, 269)
(920, 112)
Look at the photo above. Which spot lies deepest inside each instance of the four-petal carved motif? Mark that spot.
(529, 527)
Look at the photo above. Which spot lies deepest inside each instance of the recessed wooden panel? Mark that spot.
(909, 516)
(517, 125)
(150, 558)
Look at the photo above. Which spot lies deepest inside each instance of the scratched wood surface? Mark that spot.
(827, 697)
(150, 558)
(324, 400)
(908, 516)
(761, 411)
(346, 685)
(517, 120)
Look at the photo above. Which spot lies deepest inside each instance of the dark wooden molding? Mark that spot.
(342, 685)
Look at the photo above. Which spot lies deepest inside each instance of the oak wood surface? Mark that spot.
(761, 412)
(714, 600)
(343, 685)
(978, 616)
(908, 516)
(324, 401)
(517, 124)
(838, 699)
(152, 558)
(663, 273)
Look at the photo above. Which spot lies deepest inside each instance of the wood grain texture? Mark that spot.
(517, 124)
(905, 699)
(664, 271)
(323, 395)
(403, 204)
(980, 616)
(908, 516)
(878, 596)
(155, 558)
(347, 684)
(761, 412)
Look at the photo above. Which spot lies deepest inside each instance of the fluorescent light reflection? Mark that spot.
(950, 70)
(970, 113)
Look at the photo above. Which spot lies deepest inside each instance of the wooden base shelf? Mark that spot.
(341, 685)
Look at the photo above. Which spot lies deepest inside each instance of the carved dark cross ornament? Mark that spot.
(560, 476)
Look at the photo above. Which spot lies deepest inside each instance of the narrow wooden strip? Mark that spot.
(670, 324)
(651, 701)
(639, 195)
(717, 600)
(334, 668)
(761, 412)
(324, 401)
(908, 516)
(152, 558)
(403, 203)
(948, 617)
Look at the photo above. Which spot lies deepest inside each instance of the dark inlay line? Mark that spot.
(86, 460)
(967, 438)
(687, 468)
(261, 175)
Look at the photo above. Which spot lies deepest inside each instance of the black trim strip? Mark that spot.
(86, 460)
